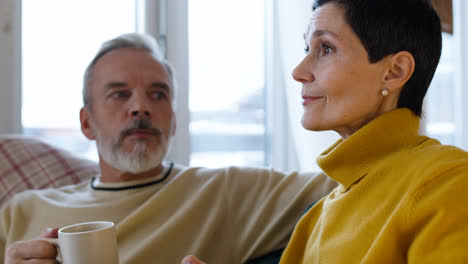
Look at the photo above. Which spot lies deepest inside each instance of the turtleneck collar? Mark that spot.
(347, 161)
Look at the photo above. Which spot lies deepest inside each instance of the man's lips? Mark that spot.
(141, 132)
(310, 99)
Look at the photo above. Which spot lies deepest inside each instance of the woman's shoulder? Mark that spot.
(432, 151)
(431, 161)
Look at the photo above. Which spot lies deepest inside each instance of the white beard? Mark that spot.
(139, 159)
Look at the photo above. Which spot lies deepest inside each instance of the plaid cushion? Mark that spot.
(28, 163)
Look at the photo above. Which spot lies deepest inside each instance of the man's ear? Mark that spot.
(400, 68)
(85, 123)
(174, 124)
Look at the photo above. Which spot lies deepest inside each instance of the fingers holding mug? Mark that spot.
(33, 251)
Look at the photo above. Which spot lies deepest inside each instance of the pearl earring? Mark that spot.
(384, 92)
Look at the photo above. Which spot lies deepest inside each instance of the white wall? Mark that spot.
(10, 66)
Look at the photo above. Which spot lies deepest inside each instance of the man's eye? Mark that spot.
(159, 95)
(120, 94)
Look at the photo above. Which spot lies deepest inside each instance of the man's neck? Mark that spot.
(111, 174)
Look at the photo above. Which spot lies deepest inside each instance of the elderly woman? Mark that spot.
(402, 196)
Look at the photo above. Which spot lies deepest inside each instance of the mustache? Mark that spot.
(137, 125)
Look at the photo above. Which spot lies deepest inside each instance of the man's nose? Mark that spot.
(139, 113)
(140, 107)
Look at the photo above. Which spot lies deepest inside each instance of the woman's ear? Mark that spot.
(85, 123)
(400, 68)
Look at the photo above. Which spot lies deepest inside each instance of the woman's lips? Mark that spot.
(310, 99)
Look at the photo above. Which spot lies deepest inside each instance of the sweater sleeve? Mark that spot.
(2, 249)
(265, 206)
(3, 232)
(439, 219)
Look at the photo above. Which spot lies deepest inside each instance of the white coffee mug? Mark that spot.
(90, 243)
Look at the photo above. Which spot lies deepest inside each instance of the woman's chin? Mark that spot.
(311, 125)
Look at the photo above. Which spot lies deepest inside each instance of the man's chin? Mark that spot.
(134, 157)
(136, 166)
(138, 170)
(141, 160)
(141, 146)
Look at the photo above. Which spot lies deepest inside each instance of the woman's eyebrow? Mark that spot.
(322, 32)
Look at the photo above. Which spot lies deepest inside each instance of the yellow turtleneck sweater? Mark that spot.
(402, 198)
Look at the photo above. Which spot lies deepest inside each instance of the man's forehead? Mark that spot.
(127, 56)
(129, 61)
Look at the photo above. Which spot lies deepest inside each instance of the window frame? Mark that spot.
(10, 64)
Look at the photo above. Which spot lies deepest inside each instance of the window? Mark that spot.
(227, 99)
(227, 83)
(439, 102)
(59, 40)
(445, 107)
(228, 65)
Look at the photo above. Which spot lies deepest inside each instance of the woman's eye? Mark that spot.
(326, 49)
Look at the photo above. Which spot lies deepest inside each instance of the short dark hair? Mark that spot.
(387, 27)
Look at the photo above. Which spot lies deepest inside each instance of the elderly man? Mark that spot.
(162, 211)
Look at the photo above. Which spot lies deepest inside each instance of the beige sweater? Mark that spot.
(224, 216)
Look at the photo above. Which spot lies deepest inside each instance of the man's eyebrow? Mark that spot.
(116, 85)
(160, 85)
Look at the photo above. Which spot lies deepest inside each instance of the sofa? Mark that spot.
(29, 163)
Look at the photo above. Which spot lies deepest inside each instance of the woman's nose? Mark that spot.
(303, 72)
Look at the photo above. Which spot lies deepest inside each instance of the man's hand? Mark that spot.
(191, 260)
(33, 251)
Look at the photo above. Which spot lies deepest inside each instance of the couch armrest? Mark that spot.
(29, 163)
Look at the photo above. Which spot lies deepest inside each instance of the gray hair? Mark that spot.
(133, 41)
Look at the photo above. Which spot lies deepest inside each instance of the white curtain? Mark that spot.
(291, 19)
